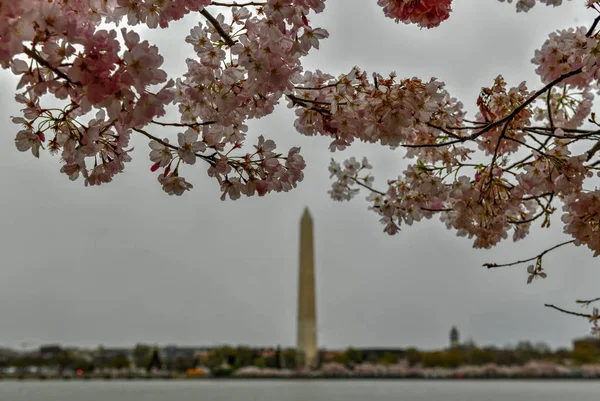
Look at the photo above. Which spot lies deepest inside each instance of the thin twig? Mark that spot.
(181, 124)
(208, 159)
(235, 4)
(32, 54)
(587, 302)
(491, 265)
(367, 187)
(567, 311)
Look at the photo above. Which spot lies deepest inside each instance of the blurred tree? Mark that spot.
(288, 358)
(260, 362)
(413, 356)
(141, 355)
(155, 361)
(354, 355)
(389, 358)
(244, 356)
(478, 356)
(119, 361)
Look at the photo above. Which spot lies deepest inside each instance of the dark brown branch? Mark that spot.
(208, 159)
(587, 302)
(527, 102)
(181, 124)
(32, 54)
(592, 151)
(504, 120)
(316, 88)
(590, 32)
(567, 311)
(235, 4)
(584, 134)
(218, 27)
(548, 97)
(367, 187)
(491, 265)
(537, 216)
(437, 210)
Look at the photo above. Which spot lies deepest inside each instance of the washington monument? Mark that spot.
(307, 355)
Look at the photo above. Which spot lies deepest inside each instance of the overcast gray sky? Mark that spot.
(126, 263)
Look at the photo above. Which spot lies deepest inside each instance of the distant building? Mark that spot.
(307, 352)
(454, 338)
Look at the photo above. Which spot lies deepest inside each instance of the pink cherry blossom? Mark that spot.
(86, 89)
(189, 145)
(425, 13)
(174, 185)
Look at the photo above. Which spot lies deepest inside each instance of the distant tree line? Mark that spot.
(226, 359)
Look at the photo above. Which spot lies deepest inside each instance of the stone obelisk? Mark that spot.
(307, 351)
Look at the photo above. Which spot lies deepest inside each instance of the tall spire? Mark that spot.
(307, 350)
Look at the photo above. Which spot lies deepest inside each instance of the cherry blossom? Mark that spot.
(424, 13)
(529, 150)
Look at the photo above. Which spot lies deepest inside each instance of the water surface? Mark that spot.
(301, 390)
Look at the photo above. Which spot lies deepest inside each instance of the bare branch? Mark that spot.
(590, 32)
(182, 124)
(587, 302)
(548, 98)
(568, 312)
(235, 4)
(491, 265)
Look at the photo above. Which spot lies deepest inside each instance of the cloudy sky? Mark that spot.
(126, 263)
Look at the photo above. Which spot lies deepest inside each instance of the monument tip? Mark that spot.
(306, 212)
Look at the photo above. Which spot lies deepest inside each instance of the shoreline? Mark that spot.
(290, 378)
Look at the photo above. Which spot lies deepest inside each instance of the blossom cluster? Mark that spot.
(424, 13)
(486, 177)
(526, 5)
(244, 64)
(385, 111)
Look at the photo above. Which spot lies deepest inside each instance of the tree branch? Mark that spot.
(150, 136)
(567, 312)
(367, 187)
(590, 32)
(235, 4)
(587, 302)
(32, 54)
(181, 124)
(218, 27)
(491, 265)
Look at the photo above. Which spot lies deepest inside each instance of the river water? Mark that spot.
(297, 390)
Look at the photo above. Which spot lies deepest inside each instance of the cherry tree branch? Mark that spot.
(218, 27)
(590, 31)
(492, 265)
(567, 311)
(367, 187)
(550, 118)
(207, 159)
(505, 120)
(235, 4)
(33, 54)
(587, 302)
(181, 124)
